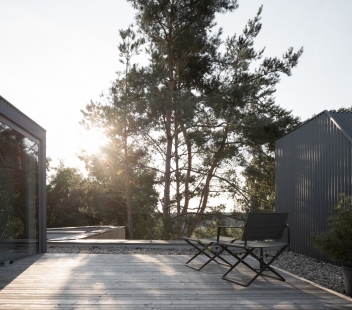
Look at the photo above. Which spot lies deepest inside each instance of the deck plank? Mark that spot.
(132, 281)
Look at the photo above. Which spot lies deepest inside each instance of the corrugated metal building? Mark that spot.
(313, 166)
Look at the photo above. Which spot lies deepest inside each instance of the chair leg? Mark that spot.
(217, 254)
(205, 247)
(193, 257)
(259, 272)
(240, 259)
(264, 266)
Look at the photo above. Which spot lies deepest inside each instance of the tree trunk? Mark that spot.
(187, 178)
(205, 197)
(166, 206)
(127, 190)
(217, 158)
(178, 194)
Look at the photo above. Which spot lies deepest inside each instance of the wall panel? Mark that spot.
(313, 166)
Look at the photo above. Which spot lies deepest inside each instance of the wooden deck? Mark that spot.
(103, 281)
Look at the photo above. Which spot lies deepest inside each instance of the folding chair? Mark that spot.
(204, 246)
(260, 231)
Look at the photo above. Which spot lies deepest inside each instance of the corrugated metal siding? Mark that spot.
(313, 166)
(343, 120)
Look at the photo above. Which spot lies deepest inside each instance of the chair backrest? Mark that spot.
(263, 226)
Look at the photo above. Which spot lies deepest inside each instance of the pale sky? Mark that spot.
(56, 56)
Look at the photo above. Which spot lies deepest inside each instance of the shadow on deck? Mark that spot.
(134, 281)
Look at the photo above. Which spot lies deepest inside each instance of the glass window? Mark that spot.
(18, 195)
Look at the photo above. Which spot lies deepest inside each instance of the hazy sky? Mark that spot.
(56, 56)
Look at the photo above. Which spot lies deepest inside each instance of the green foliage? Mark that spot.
(74, 200)
(345, 109)
(225, 118)
(66, 199)
(259, 171)
(182, 52)
(120, 119)
(208, 226)
(107, 195)
(337, 243)
(259, 184)
(194, 116)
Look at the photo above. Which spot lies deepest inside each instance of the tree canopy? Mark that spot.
(197, 122)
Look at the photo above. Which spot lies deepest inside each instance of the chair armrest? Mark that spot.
(219, 229)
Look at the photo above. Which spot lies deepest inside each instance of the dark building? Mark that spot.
(313, 166)
(22, 185)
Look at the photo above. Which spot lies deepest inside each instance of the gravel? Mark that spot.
(118, 250)
(324, 274)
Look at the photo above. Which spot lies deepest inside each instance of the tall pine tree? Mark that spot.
(119, 120)
(182, 52)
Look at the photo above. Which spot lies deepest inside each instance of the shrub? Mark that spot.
(337, 243)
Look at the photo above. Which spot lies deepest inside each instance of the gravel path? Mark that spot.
(324, 274)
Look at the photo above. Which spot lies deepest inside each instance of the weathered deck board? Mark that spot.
(102, 281)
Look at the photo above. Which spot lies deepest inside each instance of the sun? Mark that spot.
(91, 140)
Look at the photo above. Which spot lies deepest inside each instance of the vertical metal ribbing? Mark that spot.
(314, 165)
(304, 176)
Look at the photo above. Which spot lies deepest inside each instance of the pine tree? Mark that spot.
(182, 53)
(205, 115)
(118, 118)
(213, 108)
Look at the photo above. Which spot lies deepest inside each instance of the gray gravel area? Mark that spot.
(117, 250)
(324, 274)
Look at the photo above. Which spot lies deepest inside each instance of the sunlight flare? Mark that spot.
(92, 140)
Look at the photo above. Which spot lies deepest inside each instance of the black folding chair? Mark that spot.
(260, 231)
(204, 246)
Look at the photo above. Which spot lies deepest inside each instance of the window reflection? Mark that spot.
(18, 195)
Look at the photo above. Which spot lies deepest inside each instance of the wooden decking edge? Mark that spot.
(313, 283)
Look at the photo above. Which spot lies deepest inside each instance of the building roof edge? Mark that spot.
(305, 122)
(20, 112)
(330, 115)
